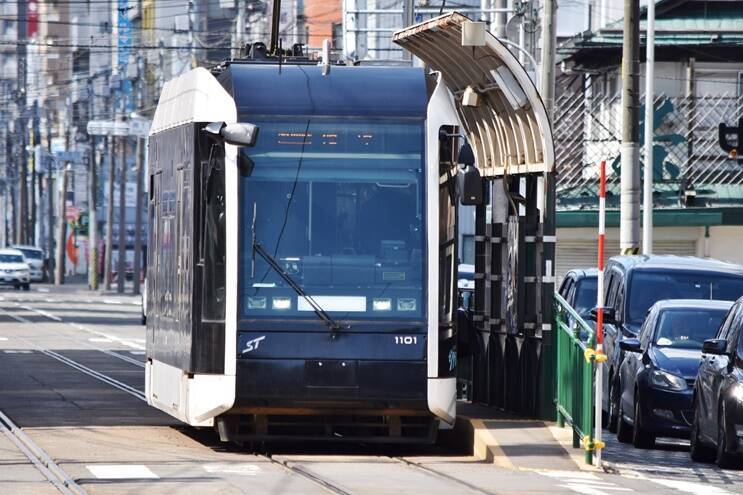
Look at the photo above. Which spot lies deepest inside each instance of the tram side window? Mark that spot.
(213, 198)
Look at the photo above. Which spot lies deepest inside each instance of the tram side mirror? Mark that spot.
(238, 134)
(469, 181)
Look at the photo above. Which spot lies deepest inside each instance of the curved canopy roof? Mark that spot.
(509, 128)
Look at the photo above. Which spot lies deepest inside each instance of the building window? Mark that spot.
(337, 36)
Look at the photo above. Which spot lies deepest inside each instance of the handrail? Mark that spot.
(575, 369)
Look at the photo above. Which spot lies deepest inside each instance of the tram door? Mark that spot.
(448, 146)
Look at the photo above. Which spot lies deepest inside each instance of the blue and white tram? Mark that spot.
(304, 287)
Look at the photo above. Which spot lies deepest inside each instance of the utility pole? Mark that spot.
(92, 197)
(61, 229)
(629, 226)
(49, 198)
(109, 152)
(547, 73)
(35, 231)
(647, 206)
(21, 52)
(408, 18)
(501, 18)
(139, 171)
(191, 27)
(121, 265)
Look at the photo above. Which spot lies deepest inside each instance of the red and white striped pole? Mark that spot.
(600, 310)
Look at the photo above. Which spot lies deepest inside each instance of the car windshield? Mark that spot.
(585, 295)
(648, 287)
(32, 254)
(340, 206)
(11, 258)
(687, 328)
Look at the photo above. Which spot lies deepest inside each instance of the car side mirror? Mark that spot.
(715, 346)
(236, 134)
(630, 345)
(609, 315)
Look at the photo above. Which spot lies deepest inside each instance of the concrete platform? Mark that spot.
(513, 442)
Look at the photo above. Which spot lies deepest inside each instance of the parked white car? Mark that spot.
(35, 258)
(14, 270)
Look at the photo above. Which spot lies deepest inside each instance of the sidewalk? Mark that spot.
(513, 442)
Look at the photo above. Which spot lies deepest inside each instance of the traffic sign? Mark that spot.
(139, 127)
(68, 156)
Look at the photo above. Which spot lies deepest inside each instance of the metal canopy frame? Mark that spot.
(509, 129)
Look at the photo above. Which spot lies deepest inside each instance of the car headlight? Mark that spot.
(737, 392)
(667, 381)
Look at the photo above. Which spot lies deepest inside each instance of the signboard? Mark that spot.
(68, 156)
(134, 127)
(107, 128)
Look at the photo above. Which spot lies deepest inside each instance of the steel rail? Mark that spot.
(115, 354)
(40, 459)
(321, 482)
(74, 364)
(441, 475)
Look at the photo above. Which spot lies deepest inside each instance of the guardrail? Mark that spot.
(575, 367)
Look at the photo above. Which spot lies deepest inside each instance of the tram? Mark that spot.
(301, 282)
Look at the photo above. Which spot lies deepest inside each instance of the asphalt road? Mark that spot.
(72, 411)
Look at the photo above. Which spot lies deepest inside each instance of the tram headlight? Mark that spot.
(257, 302)
(281, 303)
(406, 304)
(382, 304)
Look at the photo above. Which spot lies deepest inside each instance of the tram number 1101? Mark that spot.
(406, 339)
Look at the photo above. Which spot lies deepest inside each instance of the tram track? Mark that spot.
(117, 355)
(439, 474)
(289, 465)
(40, 459)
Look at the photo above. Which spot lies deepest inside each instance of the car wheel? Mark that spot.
(698, 451)
(26, 286)
(642, 438)
(624, 430)
(612, 406)
(724, 459)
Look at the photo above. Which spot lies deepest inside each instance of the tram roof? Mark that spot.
(346, 91)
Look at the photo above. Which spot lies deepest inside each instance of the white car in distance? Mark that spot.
(14, 270)
(35, 259)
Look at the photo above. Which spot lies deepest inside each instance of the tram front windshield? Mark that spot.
(340, 206)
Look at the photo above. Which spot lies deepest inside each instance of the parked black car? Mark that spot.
(717, 430)
(635, 283)
(657, 374)
(579, 288)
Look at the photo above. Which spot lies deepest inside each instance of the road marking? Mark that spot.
(42, 289)
(585, 483)
(691, 487)
(3, 338)
(99, 339)
(111, 301)
(125, 342)
(242, 469)
(121, 471)
(137, 353)
(10, 351)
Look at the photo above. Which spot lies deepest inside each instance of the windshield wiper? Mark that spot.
(333, 325)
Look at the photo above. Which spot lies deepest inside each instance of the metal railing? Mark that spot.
(575, 375)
